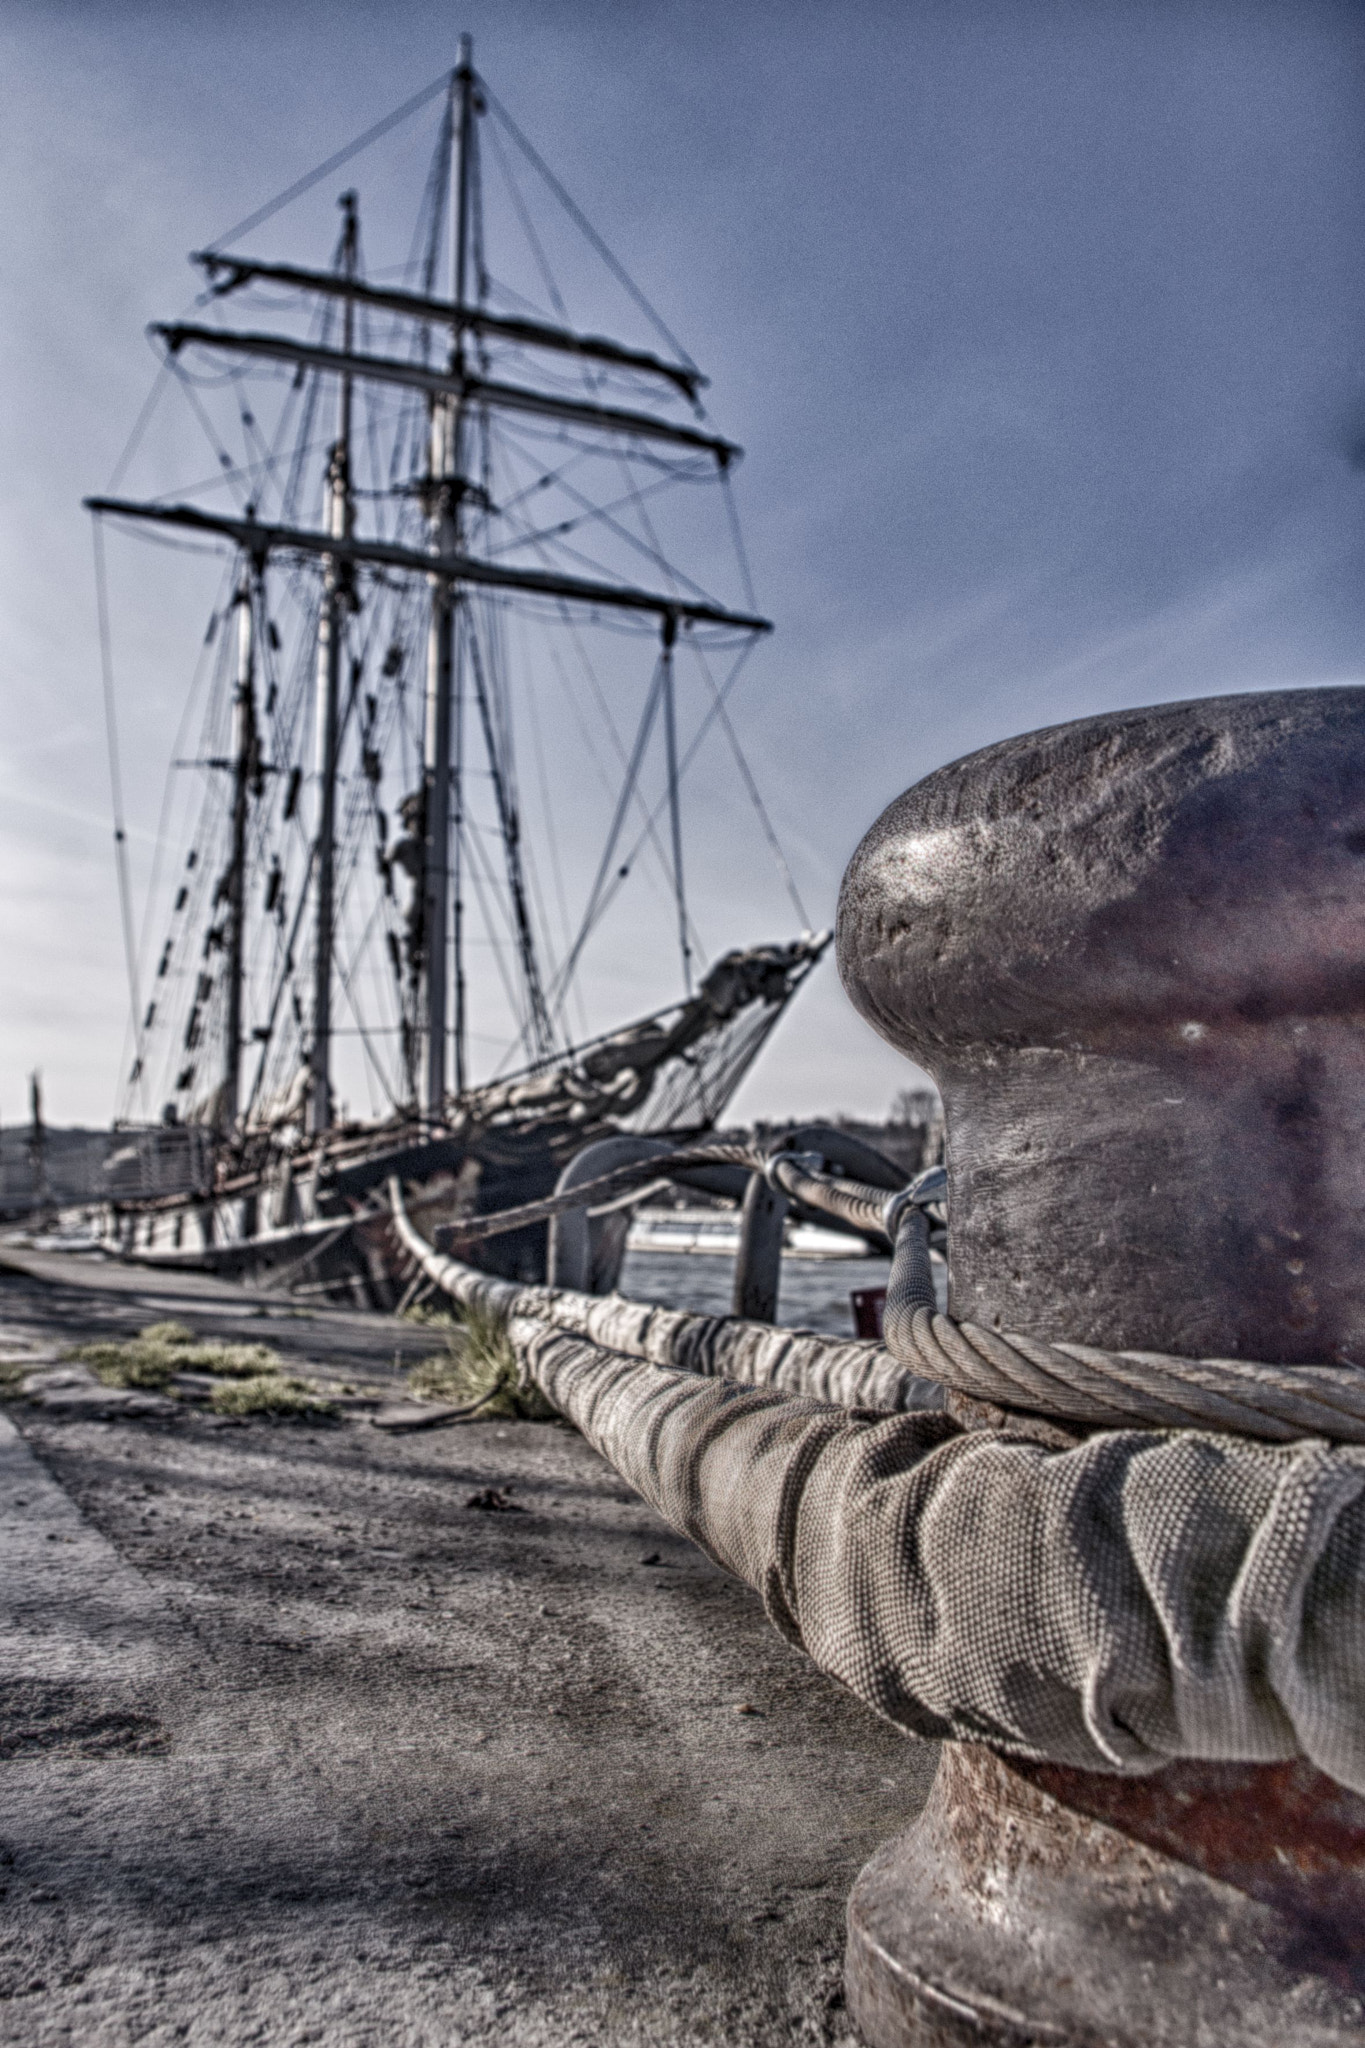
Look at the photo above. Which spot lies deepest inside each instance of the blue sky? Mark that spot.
(1043, 327)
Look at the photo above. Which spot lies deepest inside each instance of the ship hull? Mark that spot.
(326, 1234)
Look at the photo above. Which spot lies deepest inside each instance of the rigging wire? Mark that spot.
(498, 750)
(130, 446)
(285, 981)
(652, 547)
(348, 973)
(585, 226)
(437, 196)
(243, 472)
(125, 887)
(475, 854)
(532, 537)
(333, 163)
(769, 831)
(226, 462)
(503, 673)
(646, 726)
(163, 821)
(604, 711)
(528, 229)
(674, 810)
(544, 480)
(652, 817)
(737, 536)
(551, 480)
(551, 831)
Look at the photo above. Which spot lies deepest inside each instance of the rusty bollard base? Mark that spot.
(1036, 1905)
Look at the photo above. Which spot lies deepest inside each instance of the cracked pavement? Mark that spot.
(297, 1744)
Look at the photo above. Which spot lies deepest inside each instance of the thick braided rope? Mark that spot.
(845, 1372)
(851, 1200)
(1124, 1389)
(1078, 1383)
(1074, 1383)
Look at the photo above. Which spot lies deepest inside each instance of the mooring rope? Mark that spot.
(1110, 1389)
(1073, 1383)
(1125, 1389)
(1105, 1603)
(873, 1211)
(845, 1372)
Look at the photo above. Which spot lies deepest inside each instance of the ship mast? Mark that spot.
(670, 637)
(463, 397)
(336, 603)
(452, 648)
(244, 767)
(464, 198)
(446, 487)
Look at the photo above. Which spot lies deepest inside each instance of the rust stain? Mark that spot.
(1285, 1835)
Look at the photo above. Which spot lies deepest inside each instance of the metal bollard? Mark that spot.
(758, 1260)
(586, 1252)
(758, 1263)
(1131, 951)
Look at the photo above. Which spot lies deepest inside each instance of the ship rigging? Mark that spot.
(448, 465)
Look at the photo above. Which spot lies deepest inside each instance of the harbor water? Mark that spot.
(814, 1293)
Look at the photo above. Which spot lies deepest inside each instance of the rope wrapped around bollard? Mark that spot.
(1061, 1604)
(1077, 1383)
(850, 1373)
(1130, 952)
(1072, 1383)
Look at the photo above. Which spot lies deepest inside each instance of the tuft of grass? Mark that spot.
(431, 1318)
(480, 1367)
(271, 1393)
(133, 1364)
(166, 1333)
(13, 1372)
(156, 1354)
(229, 1361)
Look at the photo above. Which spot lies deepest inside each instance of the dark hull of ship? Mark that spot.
(326, 1234)
(314, 1218)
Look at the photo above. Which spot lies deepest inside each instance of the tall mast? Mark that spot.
(243, 768)
(443, 720)
(457, 876)
(336, 602)
(670, 635)
(457, 551)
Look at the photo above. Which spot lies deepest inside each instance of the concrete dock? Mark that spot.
(298, 1745)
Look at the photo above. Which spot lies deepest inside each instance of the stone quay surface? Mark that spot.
(297, 1746)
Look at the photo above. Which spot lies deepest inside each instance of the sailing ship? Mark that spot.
(428, 468)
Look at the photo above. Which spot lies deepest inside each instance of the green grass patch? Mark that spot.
(270, 1393)
(480, 1366)
(133, 1364)
(13, 1373)
(156, 1354)
(431, 1318)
